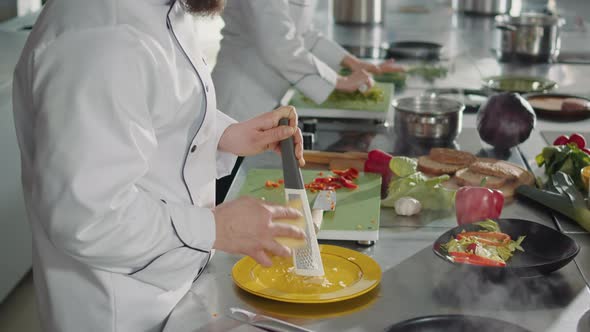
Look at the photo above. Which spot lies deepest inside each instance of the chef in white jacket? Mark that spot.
(121, 142)
(269, 46)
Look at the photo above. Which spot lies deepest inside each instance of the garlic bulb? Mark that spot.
(407, 206)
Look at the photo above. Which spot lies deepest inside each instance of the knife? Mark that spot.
(264, 322)
(307, 260)
(324, 201)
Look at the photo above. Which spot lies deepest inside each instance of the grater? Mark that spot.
(306, 259)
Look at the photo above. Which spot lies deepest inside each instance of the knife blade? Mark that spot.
(324, 201)
(264, 322)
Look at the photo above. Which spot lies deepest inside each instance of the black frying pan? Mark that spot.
(545, 249)
(415, 50)
(455, 323)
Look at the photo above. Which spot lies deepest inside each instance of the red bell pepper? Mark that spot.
(468, 258)
(474, 204)
(378, 162)
(490, 238)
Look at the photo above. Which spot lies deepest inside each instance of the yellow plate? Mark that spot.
(349, 274)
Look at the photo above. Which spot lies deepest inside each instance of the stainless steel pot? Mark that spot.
(428, 118)
(482, 7)
(530, 37)
(359, 11)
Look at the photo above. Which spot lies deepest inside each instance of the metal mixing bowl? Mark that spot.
(428, 117)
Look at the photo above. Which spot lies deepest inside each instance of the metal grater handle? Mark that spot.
(291, 172)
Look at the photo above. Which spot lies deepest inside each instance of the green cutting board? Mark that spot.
(299, 101)
(356, 216)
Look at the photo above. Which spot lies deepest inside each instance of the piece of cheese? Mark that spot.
(299, 223)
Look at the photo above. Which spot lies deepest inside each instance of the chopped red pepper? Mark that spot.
(342, 178)
(464, 257)
(348, 184)
(490, 238)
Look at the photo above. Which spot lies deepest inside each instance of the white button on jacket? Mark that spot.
(267, 47)
(118, 135)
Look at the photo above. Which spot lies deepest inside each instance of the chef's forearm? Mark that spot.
(224, 160)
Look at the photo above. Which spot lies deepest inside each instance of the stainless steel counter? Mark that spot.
(415, 283)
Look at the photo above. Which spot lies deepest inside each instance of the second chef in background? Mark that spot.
(269, 46)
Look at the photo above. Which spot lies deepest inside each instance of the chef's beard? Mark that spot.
(204, 7)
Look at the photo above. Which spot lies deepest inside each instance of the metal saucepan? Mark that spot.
(428, 118)
(530, 37)
(482, 7)
(471, 98)
(367, 12)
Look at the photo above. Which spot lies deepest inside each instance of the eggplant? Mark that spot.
(505, 120)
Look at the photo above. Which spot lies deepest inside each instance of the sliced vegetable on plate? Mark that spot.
(559, 107)
(501, 248)
(487, 247)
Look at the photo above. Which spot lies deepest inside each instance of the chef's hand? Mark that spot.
(357, 81)
(355, 64)
(263, 133)
(245, 226)
(387, 66)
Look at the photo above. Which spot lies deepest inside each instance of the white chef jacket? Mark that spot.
(118, 128)
(269, 46)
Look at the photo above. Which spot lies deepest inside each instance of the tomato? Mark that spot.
(561, 140)
(578, 140)
(471, 248)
